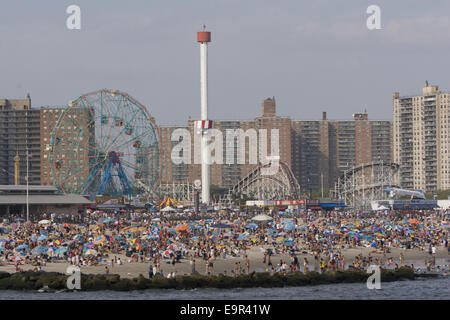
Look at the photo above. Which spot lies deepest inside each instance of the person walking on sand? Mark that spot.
(305, 265)
(192, 266)
(247, 265)
(322, 265)
(211, 265)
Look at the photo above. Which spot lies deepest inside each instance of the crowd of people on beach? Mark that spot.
(102, 238)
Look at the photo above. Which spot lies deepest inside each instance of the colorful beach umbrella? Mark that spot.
(90, 252)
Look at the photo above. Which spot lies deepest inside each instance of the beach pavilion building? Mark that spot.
(41, 199)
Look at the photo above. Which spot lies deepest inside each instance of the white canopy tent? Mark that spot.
(262, 217)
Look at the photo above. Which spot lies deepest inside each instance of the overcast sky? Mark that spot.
(313, 56)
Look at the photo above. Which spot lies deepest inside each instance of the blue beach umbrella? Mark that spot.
(289, 227)
(243, 236)
(39, 250)
(251, 226)
(221, 226)
(22, 247)
(61, 250)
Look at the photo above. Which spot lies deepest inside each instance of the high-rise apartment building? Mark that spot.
(318, 151)
(49, 119)
(421, 139)
(19, 133)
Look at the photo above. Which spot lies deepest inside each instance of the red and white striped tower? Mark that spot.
(203, 38)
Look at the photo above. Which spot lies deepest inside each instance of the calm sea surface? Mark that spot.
(434, 289)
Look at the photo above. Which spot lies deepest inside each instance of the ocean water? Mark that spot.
(433, 289)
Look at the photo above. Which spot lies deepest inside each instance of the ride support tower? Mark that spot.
(204, 37)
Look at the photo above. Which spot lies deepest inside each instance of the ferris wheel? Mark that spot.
(105, 143)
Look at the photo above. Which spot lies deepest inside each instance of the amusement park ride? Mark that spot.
(105, 143)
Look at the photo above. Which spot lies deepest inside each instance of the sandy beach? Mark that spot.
(225, 266)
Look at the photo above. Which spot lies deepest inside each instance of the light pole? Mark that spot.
(28, 204)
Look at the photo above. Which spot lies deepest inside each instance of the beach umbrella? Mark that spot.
(182, 227)
(195, 238)
(99, 240)
(61, 250)
(4, 240)
(39, 250)
(43, 237)
(44, 222)
(171, 230)
(289, 227)
(262, 217)
(152, 237)
(90, 252)
(251, 226)
(168, 209)
(414, 221)
(243, 236)
(19, 219)
(22, 247)
(221, 226)
(289, 243)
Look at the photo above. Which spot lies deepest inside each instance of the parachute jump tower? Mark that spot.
(204, 37)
